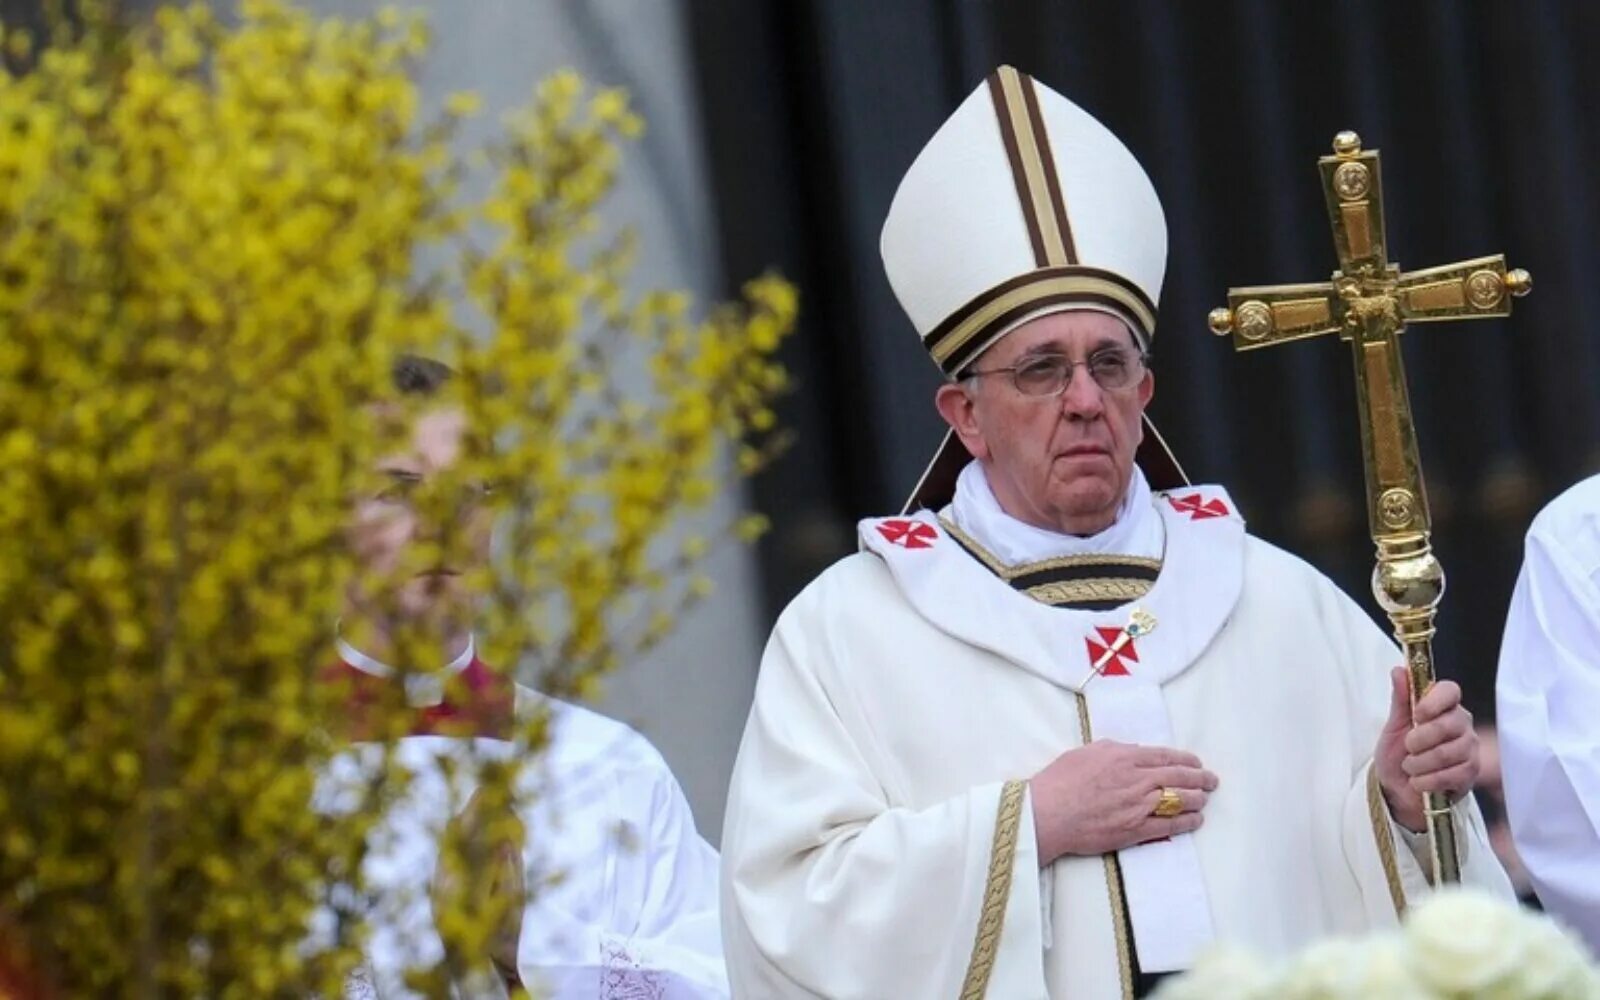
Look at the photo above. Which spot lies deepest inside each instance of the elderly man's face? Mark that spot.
(1062, 462)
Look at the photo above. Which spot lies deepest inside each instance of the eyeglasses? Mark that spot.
(1046, 375)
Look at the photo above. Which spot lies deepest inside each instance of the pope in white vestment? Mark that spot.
(1548, 709)
(897, 824)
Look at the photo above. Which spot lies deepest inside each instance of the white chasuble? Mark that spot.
(880, 840)
(621, 899)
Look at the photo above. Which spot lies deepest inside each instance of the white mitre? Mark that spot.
(1022, 204)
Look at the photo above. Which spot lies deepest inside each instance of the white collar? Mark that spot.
(1137, 531)
(423, 690)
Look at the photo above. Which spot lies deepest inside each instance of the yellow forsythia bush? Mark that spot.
(210, 236)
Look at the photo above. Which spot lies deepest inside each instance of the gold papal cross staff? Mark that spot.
(1368, 303)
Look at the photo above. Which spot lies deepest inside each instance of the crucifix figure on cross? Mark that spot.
(1368, 303)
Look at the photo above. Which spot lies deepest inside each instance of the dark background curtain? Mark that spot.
(813, 110)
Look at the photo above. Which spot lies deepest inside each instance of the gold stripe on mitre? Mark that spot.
(1033, 170)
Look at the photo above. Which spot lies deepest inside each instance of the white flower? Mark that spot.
(1463, 942)
(1344, 969)
(1557, 967)
(1221, 974)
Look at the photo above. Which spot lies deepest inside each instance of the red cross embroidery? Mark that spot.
(1117, 665)
(908, 534)
(1198, 508)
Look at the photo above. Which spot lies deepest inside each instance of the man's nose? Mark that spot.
(426, 523)
(1083, 397)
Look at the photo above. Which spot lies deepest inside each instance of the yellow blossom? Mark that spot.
(463, 104)
(209, 247)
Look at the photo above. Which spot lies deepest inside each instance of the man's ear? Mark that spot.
(959, 410)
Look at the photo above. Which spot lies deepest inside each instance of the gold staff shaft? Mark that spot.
(1408, 580)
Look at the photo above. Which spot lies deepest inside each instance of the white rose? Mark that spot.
(1466, 942)
(1220, 974)
(1557, 967)
(1340, 969)
(1462, 941)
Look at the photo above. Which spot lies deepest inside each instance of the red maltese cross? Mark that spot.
(1108, 657)
(908, 534)
(1197, 507)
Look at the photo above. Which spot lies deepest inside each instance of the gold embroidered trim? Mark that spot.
(1385, 838)
(986, 557)
(1119, 925)
(1009, 573)
(1094, 589)
(1119, 912)
(996, 891)
(1069, 562)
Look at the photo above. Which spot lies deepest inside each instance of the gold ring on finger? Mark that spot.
(1168, 804)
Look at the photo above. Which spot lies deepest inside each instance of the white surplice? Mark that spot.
(622, 888)
(1548, 708)
(879, 838)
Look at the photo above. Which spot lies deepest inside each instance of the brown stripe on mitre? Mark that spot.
(1019, 174)
(1032, 170)
(1037, 276)
(967, 331)
(1052, 178)
(980, 342)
